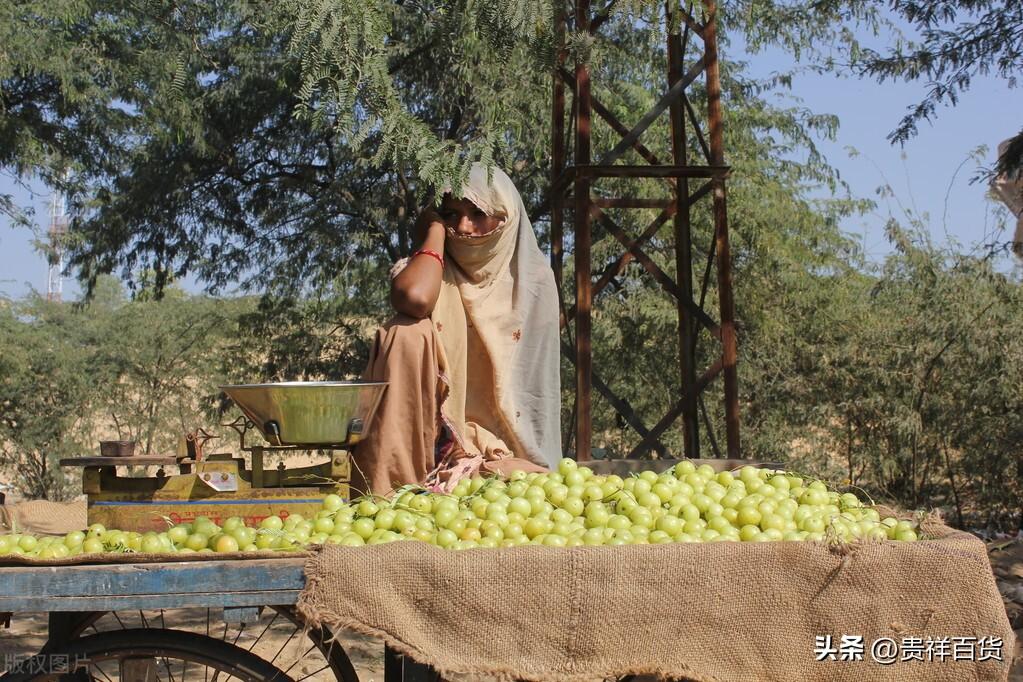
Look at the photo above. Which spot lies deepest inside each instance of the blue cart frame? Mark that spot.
(71, 593)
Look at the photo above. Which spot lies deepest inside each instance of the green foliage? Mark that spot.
(148, 370)
(160, 364)
(284, 149)
(45, 383)
(958, 40)
(919, 381)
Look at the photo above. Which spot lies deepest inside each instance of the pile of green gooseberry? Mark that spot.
(568, 507)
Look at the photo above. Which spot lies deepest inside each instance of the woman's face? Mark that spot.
(465, 218)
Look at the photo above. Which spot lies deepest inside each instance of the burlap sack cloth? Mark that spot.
(43, 517)
(717, 611)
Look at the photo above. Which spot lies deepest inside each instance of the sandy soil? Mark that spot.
(1007, 564)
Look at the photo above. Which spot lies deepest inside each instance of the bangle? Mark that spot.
(431, 253)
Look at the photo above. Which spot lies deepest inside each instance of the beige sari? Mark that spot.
(494, 346)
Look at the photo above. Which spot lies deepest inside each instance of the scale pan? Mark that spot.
(337, 413)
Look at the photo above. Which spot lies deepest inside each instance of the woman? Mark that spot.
(472, 358)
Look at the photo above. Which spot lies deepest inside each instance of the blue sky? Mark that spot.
(928, 175)
(931, 175)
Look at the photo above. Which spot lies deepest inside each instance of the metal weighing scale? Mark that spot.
(325, 417)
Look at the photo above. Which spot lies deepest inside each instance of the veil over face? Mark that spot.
(498, 323)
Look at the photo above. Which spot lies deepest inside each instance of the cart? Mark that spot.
(109, 622)
(217, 618)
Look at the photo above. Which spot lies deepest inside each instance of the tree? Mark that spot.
(161, 363)
(46, 390)
(958, 40)
(245, 141)
(206, 168)
(284, 151)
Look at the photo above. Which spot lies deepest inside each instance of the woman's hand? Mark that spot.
(427, 225)
(415, 289)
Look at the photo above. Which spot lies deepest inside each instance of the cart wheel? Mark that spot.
(149, 655)
(309, 661)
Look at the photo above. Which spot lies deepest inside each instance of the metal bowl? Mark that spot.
(116, 448)
(310, 412)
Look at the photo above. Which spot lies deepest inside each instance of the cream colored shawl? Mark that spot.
(502, 286)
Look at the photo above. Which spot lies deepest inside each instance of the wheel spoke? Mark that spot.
(155, 653)
(173, 665)
(166, 663)
(284, 645)
(301, 658)
(264, 630)
(315, 672)
(206, 670)
(101, 672)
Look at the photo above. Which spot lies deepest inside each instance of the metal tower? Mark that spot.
(583, 184)
(56, 248)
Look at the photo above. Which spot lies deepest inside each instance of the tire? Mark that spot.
(333, 653)
(227, 659)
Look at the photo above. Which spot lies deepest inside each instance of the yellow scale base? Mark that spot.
(218, 487)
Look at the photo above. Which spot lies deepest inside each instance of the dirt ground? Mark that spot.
(1007, 564)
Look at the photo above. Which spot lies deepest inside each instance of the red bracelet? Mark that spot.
(430, 252)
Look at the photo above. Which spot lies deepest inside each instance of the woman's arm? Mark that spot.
(415, 289)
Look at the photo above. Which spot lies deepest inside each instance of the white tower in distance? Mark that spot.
(56, 251)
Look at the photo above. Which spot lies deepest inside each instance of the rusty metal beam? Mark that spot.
(611, 120)
(625, 202)
(724, 256)
(619, 265)
(673, 93)
(602, 171)
(704, 190)
(696, 127)
(708, 426)
(673, 414)
(655, 271)
(659, 428)
(621, 405)
(687, 329)
(554, 198)
(574, 177)
(584, 359)
(691, 23)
